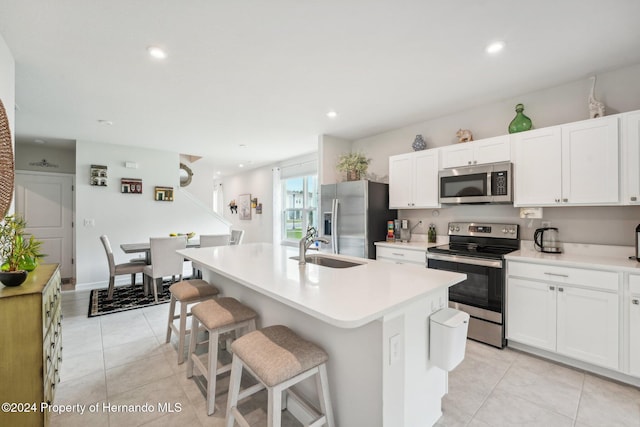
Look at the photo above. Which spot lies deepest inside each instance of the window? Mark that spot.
(300, 206)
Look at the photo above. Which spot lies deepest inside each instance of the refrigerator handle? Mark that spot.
(334, 226)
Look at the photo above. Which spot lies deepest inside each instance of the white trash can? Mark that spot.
(448, 337)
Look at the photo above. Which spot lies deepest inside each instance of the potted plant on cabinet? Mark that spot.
(355, 164)
(18, 255)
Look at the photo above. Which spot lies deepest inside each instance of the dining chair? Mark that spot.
(208, 240)
(236, 236)
(132, 268)
(164, 261)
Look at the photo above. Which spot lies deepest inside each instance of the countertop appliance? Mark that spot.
(478, 250)
(546, 240)
(490, 183)
(354, 216)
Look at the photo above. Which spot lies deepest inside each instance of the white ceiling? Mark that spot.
(265, 73)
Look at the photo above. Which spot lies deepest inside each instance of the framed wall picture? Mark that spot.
(244, 206)
(98, 175)
(164, 194)
(131, 185)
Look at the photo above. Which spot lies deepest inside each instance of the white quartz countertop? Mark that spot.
(343, 297)
(581, 256)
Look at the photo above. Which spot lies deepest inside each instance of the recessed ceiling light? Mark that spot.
(495, 47)
(242, 145)
(156, 52)
(332, 114)
(218, 172)
(240, 165)
(105, 122)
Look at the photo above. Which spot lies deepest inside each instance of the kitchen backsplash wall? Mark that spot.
(595, 225)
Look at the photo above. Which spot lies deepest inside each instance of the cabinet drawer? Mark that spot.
(597, 279)
(400, 254)
(634, 284)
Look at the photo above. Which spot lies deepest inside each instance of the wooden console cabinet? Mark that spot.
(30, 346)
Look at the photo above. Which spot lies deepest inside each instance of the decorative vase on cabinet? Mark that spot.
(520, 122)
(419, 143)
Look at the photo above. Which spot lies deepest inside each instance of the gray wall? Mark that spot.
(618, 89)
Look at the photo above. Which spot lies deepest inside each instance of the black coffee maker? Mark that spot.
(546, 240)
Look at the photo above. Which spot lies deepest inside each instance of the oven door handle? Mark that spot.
(465, 260)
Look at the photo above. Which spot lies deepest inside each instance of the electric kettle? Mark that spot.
(546, 240)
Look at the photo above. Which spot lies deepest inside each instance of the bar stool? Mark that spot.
(278, 359)
(186, 292)
(218, 316)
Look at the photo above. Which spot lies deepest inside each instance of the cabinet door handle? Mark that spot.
(469, 162)
(552, 288)
(565, 200)
(475, 162)
(634, 198)
(560, 289)
(556, 274)
(396, 254)
(635, 301)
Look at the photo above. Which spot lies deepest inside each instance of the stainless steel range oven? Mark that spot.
(478, 250)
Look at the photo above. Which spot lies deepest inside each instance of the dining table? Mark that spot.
(132, 248)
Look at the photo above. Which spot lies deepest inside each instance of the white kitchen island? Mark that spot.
(372, 319)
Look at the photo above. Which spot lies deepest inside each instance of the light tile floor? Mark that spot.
(121, 359)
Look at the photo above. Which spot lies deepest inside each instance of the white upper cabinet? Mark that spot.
(574, 164)
(538, 167)
(631, 157)
(590, 171)
(413, 180)
(489, 150)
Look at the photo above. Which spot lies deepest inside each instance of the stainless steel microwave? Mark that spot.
(491, 183)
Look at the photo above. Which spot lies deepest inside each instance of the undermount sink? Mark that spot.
(327, 262)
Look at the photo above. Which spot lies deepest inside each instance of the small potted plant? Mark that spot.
(18, 255)
(355, 164)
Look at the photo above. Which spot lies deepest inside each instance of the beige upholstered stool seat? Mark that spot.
(276, 354)
(192, 290)
(186, 292)
(279, 359)
(217, 316)
(214, 314)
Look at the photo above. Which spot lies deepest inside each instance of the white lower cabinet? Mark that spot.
(634, 325)
(570, 311)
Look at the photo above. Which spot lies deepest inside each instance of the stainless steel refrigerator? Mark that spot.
(354, 216)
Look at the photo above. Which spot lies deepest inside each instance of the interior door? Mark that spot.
(46, 203)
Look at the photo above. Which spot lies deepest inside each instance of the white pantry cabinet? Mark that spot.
(634, 325)
(631, 157)
(489, 150)
(571, 311)
(413, 180)
(573, 164)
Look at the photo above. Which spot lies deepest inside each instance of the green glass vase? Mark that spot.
(520, 122)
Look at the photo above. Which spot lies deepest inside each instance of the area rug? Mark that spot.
(124, 298)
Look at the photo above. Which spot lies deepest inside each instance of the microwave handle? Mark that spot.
(489, 183)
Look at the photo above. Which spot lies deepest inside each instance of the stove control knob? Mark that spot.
(504, 231)
(457, 228)
(452, 228)
(512, 231)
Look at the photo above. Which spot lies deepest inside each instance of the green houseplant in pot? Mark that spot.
(18, 254)
(355, 164)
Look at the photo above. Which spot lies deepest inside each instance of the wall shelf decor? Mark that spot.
(98, 175)
(244, 206)
(164, 194)
(131, 185)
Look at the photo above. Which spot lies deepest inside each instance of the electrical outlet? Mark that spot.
(546, 223)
